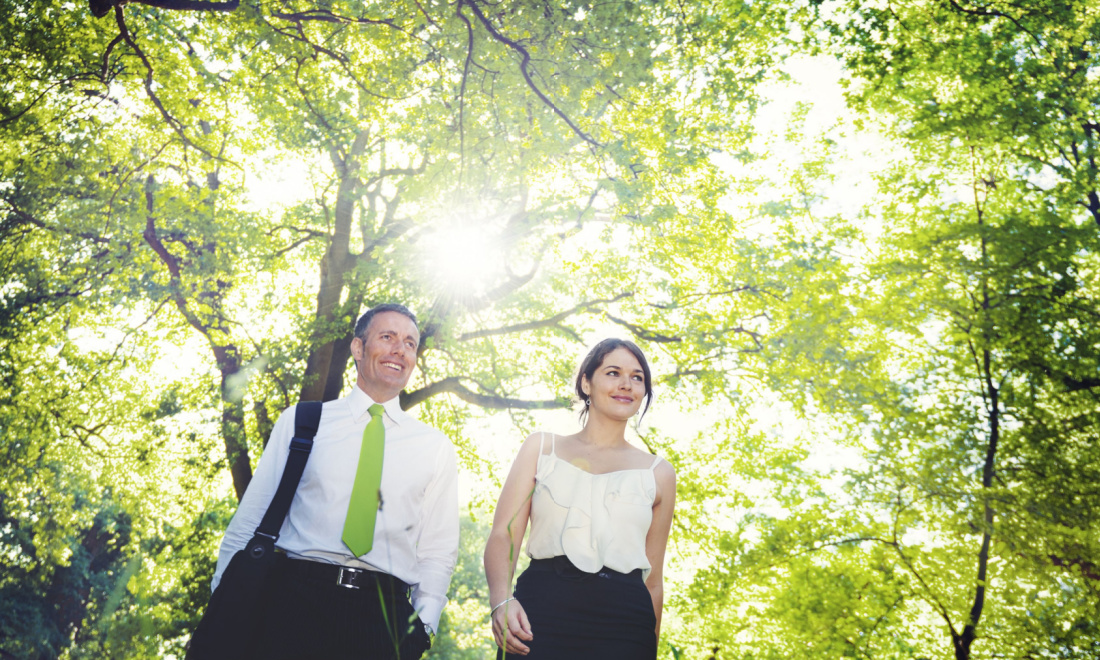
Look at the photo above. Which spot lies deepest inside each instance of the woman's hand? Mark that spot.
(510, 625)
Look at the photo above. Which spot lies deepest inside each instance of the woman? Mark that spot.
(600, 513)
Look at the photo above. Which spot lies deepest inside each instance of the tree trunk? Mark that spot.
(969, 633)
(214, 329)
(232, 424)
(332, 332)
(965, 640)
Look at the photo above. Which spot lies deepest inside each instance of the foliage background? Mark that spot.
(872, 303)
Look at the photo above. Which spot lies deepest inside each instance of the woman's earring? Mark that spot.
(587, 401)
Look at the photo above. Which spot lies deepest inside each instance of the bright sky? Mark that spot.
(816, 81)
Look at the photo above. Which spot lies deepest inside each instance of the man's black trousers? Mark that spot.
(310, 613)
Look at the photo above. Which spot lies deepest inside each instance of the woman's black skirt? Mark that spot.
(579, 616)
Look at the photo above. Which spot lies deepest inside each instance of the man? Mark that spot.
(335, 595)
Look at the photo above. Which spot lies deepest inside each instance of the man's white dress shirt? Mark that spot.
(416, 531)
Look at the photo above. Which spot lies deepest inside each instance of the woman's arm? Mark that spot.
(510, 623)
(656, 539)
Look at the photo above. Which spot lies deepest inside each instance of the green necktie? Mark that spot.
(363, 507)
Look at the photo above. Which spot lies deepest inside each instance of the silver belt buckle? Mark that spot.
(352, 577)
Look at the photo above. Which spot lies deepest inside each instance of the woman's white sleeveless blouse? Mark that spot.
(595, 520)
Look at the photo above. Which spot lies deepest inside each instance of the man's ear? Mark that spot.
(356, 348)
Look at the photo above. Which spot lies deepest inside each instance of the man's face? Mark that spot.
(385, 355)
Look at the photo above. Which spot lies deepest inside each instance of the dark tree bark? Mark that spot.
(226, 355)
(329, 356)
(101, 8)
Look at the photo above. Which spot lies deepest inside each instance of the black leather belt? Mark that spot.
(340, 576)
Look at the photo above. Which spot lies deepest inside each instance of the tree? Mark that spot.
(965, 531)
(130, 139)
(416, 110)
(1004, 92)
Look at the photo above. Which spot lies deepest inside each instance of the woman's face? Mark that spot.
(618, 385)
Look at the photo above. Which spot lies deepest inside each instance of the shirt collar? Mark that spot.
(360, 403)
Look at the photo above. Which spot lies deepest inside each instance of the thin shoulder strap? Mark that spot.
(656, 460)
(553, 444)
(542, 443)
(307, 416)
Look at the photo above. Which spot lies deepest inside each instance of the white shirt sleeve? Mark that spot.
(437, 545)
(258, 495)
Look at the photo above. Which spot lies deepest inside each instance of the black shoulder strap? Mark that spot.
(307, 415)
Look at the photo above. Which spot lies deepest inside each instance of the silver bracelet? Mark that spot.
(500, 605)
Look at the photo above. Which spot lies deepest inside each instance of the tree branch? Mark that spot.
(997, 14)
(31, 220)
(462, 92)
(643, 333)
(453, 385)
(327, 16)
(148, 82)
(544, 323)
(190, 5)
(1088, 568)
(523, 67)
(37, 99)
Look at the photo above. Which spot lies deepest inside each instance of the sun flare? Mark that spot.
(462, 257)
